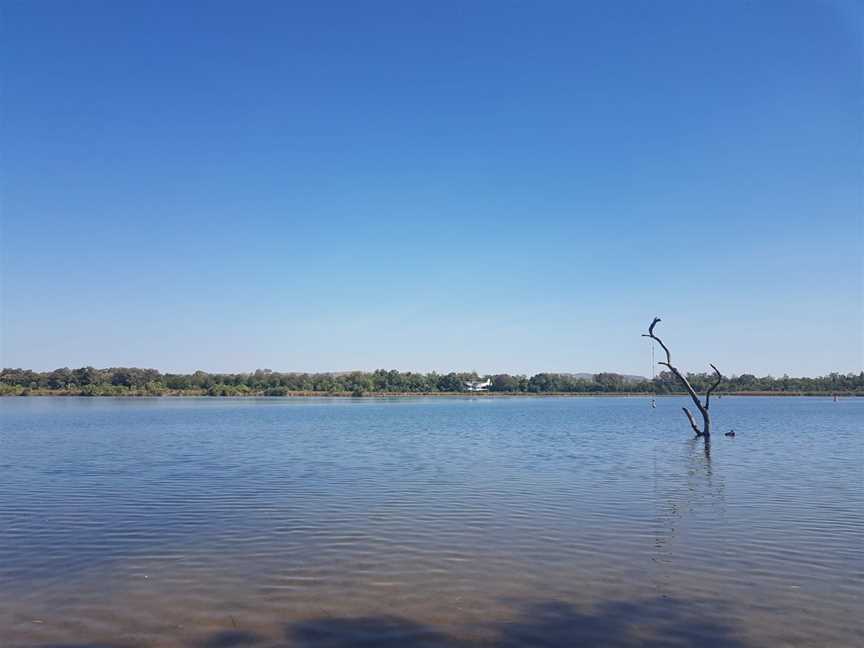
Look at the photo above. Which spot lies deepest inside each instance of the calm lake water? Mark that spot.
(213, 523)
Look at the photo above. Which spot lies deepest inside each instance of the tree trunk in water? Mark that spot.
(702, 407)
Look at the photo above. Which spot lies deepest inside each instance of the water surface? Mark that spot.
(435, 522)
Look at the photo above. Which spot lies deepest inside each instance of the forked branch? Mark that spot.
(714, 386)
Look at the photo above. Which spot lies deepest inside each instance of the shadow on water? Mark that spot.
(232, 638)
(649, 623)
(384, 631)
(551, 624)
(88, 645)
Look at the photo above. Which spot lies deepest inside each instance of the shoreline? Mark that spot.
(372, 395)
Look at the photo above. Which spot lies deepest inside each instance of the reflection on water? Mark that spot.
(439, 522)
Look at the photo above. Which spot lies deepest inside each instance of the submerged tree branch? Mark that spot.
(692, 422)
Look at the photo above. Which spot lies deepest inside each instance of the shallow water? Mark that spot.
(214, 523)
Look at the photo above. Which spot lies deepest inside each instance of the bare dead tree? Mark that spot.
(702, 407)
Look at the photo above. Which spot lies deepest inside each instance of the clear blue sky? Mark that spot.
(490, 186)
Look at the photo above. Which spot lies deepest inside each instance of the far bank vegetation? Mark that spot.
(130, 381)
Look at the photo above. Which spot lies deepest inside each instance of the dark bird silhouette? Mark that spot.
(730, 433)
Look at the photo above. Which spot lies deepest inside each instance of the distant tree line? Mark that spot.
(130, 381)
